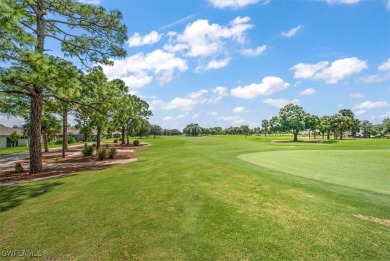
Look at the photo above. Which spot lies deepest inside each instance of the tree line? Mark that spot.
(292, 119)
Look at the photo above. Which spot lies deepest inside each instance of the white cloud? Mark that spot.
(280, 103)
(367, 105)
(308, 91)
(382, 75)
(189, 102)
(229, 118)
(220, 90)
(331, 74)
(356, 95)
(90, 2)
(158, 65)
(343, 1)
(214, 64)
(138, 40)
(388, 5)
(180, 116)
(238, 109)
(201, 39)
(384, 67)
(168, 118)
(137, 81)
(232, 3)
(268, 86)
(254, 52)
(212, 113)
(292, 32)
(360, 112)
(195, 116)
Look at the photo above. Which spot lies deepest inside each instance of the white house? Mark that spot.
(4, 134)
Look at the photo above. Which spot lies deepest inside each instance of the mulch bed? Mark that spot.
(7, 176)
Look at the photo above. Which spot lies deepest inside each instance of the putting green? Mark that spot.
(362, 169)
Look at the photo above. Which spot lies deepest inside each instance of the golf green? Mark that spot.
(362, 169)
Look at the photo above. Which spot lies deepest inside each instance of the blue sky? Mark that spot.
(233, 62)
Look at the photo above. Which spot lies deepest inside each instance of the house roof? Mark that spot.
(6, 131)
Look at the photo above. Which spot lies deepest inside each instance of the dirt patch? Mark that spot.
(384, 222)
(55, 166)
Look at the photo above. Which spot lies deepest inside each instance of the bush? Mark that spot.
(112, 153)
(136, 143)
(101, 153)
(88, 150)
(71, 140)
(115, 140)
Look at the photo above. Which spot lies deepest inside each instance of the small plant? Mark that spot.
(94, 145)
(115, 140)
(88, 150)
(58, 141)
(101, 153)
(106, 146)
(112, 153)
(136, 143)
(71, 139)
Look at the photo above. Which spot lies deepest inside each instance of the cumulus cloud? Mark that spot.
(137, 81)
(212, 113)
(388, 5)
(202, 39)
(144, 68)
(138, 40)
(220, 91)
(90, 2)
(383, 74)
(367, 105)
(238, 109)
(254, 52)
(280, 103)
(331, 74)
(343, 1)
(232, 3)
(268, 86)
(308, 91)
(214, 64)
(292, 32)
(168, 118)
(189, 102)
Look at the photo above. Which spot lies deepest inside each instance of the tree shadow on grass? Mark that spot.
(13, 196)
(330, 141)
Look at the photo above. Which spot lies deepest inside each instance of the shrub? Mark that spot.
(136, 143)
(88, 150)
(112, 153)
(101, 153)
(71, 139)
(115, 140)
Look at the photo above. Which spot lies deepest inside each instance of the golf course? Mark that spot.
(212, 198)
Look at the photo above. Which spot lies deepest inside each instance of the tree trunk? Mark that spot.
(128, 141)
(341, 135)
(309, 133)
(85, 137)
(123, 135)
(45, 142)
(295, 135)
(99, 132)
(328, 135)
(35, 132)
(64, 132)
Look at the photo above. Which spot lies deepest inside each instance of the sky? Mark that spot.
(236, 62)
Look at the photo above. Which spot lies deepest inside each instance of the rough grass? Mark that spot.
(192, 198)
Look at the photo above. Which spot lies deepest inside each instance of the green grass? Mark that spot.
(193, 198)
(362, 169)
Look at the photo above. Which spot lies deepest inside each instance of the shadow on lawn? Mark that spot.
(13, 196)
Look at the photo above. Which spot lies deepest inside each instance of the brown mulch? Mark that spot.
(10, 176)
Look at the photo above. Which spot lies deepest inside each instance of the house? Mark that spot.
(5, 141)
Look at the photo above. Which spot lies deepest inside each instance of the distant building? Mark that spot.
(5, 142)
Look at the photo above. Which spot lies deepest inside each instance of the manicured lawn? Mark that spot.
(193, 198)
(363, 169)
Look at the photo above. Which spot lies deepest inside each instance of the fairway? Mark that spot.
(195, 199)
(361, 169)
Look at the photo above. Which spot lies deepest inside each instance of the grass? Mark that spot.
(338, 167)
(13, 150)
(193, 198)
